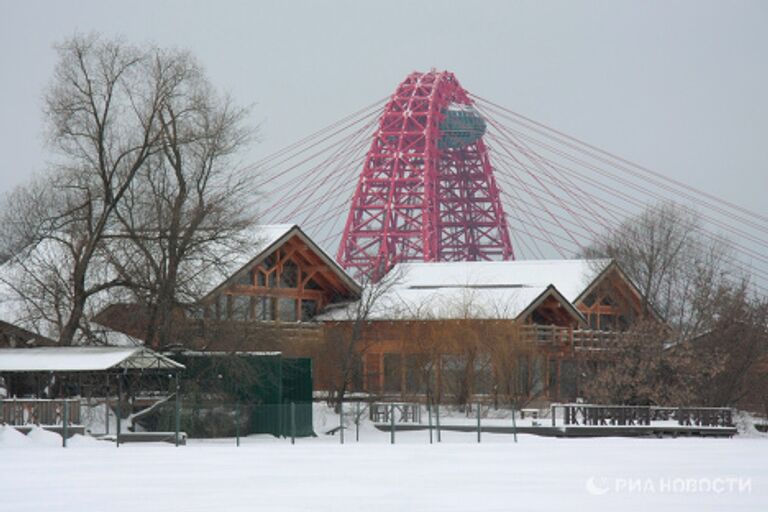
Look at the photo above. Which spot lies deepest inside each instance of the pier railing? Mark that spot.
(628, 415)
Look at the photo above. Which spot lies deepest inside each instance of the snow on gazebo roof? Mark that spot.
(83, 359)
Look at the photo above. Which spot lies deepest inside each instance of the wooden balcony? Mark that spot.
(580, 339)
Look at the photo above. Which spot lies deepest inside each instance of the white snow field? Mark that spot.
(318, 474)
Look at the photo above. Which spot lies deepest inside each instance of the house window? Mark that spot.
(393, 364)
(221, 307)
(312, 285)
(244, 279)
(568, 380)
(454, 375)
(552, 379)
(606, 322)
(287, 310)
(269, 262)
(522, 375)
(537, 376)
(261, 278)
(483, 374)
(308, 308)
(289, 275)
(263, 308)
(241, 306)
(624, 322)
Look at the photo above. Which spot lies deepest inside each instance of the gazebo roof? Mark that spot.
(83, 359)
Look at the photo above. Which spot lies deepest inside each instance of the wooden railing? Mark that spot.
(628, 415)
(38, 412)
(598, 340)
(545, 334)
(581, 339)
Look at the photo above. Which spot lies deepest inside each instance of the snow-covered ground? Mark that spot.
(318, 474)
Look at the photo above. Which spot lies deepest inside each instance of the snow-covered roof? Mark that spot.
(103, 335)
(474, 289)
(80, 359)
(570, 277)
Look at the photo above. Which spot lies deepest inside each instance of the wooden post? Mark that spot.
(341, 421)
(437, 418)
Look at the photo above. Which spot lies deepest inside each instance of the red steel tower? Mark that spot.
(426, 191)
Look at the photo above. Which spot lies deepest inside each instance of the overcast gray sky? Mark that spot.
(679, 86)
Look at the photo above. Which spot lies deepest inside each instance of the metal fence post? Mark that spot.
(293, 423)
(429, 415)
(392, 423)
(119, 397)
(341, 422)
(237, 423)
(178, 409)
(478, 422)
(514, 423)
(66, 420)
(437, 417)
(357, 421)
(106, 407)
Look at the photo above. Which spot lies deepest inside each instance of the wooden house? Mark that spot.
(517, 328)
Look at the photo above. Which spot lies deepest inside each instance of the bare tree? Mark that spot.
(646, 368)
(138, 188)
(348, 339)
(102, 110)
(738, 341)
(186, 208)
(677, 269)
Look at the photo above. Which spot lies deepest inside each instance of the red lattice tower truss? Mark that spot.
(426, 191)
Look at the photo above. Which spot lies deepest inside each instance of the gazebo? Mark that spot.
(19, 366)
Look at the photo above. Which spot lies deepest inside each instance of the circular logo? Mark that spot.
(597, 486)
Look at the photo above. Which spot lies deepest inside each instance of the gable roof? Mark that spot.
(265, 240)
(478, 289)
(82, 359)
(570, 277)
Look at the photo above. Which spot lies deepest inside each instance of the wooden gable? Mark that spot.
(551, 308)
(611, 302)
(290, 281)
